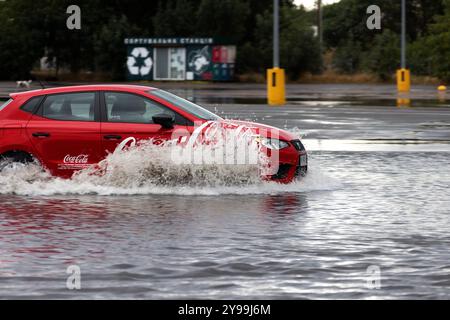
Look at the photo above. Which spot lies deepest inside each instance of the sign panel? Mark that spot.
(168, 41)
(139, 63)
(199, 62)
(179, 59)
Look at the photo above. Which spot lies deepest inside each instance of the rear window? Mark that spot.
(4, 104)
(70, 107)
(31, 105)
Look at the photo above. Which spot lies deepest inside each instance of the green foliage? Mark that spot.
(19, 41)
(378, 51)
(419, 57)
(30, 29)
(383, 58)
(347, 57)
(109, 49)
(223, 19)
(299, 49)
(175, 18)
(430, 54)
(347, 19)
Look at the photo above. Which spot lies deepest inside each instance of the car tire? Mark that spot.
(14, 157)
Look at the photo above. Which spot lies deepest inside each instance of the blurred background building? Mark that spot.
(179, 59)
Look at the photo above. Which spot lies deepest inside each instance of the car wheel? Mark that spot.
(14, 157)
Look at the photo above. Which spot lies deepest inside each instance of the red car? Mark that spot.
(70, 128)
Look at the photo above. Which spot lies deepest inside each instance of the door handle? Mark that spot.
(112, 137)
(41, 134)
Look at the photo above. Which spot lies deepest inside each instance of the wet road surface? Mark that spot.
(377, 196)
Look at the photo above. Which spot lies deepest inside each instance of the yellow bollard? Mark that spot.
(403, 80)
(403, 99)
(276, 94)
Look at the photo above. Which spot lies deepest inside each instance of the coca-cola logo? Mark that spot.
(80, 159)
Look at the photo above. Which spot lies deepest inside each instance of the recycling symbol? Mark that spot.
(146, 63)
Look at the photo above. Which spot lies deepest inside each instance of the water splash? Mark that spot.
(148, 168)
(147, 164)
(31, 180)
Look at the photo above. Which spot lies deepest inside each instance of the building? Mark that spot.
(179, 59)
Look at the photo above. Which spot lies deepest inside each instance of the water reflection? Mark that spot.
(442, 96)
(211, 96)
(285, 204)
(43, 227)
(390, 210)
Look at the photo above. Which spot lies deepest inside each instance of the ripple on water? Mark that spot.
(312, 239)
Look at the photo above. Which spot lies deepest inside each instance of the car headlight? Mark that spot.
(274, 144)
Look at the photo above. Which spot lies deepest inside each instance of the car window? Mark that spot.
(126, 107)
(30, 105)
(70, 107)
(3, 105)
(186, 105)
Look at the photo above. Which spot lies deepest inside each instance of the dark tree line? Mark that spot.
(378, 51)
(31, 29)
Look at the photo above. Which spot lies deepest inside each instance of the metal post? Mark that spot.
(403, 74)
(276, 94)
(276, 35)
(320, 23)
(403, 41)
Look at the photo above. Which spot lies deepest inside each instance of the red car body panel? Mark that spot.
(67, 138)
(82, 143)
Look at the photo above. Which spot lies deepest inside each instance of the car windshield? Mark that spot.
(4, 104)
(185, 105)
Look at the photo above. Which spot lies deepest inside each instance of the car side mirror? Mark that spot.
(165, 120)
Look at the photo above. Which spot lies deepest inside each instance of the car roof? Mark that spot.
(95, 87)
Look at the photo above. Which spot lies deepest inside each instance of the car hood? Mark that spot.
(264, 130)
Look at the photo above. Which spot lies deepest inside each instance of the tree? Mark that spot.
(299, 49)
(225, 19)
(175, 18)
(430, 53)
(348, 18)
(347, 57)
(109, 48)
(383, 58)
(20, 42)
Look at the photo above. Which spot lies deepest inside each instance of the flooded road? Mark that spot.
(377, 197)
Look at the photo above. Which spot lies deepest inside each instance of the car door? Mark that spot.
(128, 117)
(65, 132)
